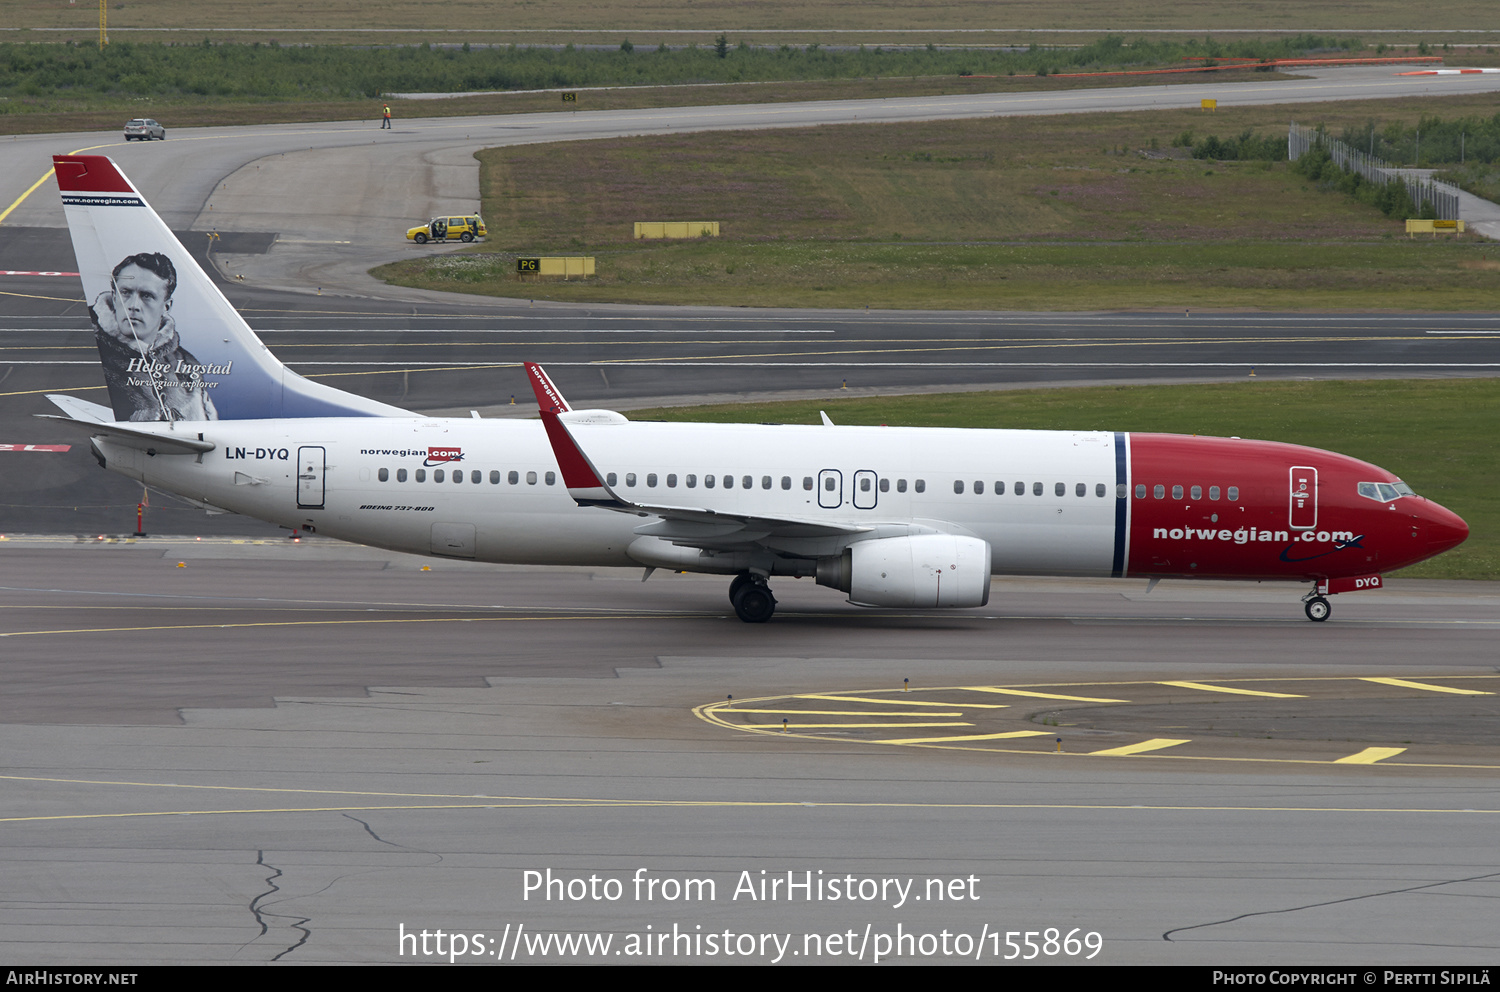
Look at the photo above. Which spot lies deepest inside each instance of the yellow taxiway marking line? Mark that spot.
(1238, 692)
(898, 701)
(1404, 684)
(1154, 744)
(973, 737)
(843, 713)
(328, 623)
(850, 726)
(1040, 695)
(1369, 756)
(748, 804)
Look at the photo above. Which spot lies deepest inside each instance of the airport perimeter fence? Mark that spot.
(1443, 197)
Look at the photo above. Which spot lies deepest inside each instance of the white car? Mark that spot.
(145, 129)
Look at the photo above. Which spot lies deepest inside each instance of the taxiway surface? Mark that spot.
(194, 771)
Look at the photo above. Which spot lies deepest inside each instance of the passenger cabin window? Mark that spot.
(420, 475)
(900, 485)
(1177, 492)
(551, 478)
(1061, 489)
(885, 485)
(1036, 489)
(1213, 492)
(1234, 493)
(708, 482)
(691, 481)
(765, 482)
(919, 485)
(630, 478)
(651, 480)
(786, 482)
(400, 475)
(437, 475)
(531, 478)
(1020, 489)
(807, 482)
(958, 485)
(1159, 491)
(384, 475)
(514, 477)
(1082, 489)
(494, 477)
(1197, 492)
(671, 480)
(611, 479)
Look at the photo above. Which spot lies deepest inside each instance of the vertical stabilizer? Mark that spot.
(172, 347)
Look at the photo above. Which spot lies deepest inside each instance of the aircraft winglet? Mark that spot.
(584, 482)
(548, 396)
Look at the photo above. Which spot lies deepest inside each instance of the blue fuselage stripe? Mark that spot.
(1122, 504)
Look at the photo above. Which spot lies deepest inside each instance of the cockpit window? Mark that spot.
(1385, 492)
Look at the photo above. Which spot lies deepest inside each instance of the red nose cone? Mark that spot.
(1443, 528)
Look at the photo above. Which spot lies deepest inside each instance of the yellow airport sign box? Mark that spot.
(567, 266)
(677, 229)
(1434, 227)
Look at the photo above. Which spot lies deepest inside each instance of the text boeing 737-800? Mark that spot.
(894, 517)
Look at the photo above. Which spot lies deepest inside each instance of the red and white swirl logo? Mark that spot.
(438, 456)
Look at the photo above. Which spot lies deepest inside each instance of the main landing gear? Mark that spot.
(1316, 607)
(752, 599)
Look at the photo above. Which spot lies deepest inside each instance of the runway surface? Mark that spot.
(341, 195)
(194, 771)
(251, 750)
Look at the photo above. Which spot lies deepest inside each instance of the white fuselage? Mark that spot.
(359, 481)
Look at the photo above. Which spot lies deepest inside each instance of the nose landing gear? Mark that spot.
(751, 597)
(1316, 607)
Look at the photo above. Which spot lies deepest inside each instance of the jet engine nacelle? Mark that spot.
(928, 570)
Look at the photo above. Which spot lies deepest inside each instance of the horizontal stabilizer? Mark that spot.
(180, 443)
(78, 409)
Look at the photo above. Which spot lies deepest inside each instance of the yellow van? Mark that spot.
(448, 229)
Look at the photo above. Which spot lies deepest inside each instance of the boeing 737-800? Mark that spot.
(894, 517)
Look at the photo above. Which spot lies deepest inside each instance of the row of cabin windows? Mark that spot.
(1160, 492)
(457, 475)
(1040, 488)
(830, 483)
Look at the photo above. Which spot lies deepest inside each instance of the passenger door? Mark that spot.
(311, 463)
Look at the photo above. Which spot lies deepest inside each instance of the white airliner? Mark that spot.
(894, 517)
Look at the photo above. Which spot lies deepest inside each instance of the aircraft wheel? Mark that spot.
(1318, 609)
(754, 603)
(740, 581)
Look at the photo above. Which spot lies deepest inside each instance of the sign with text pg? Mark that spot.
(528, 265)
